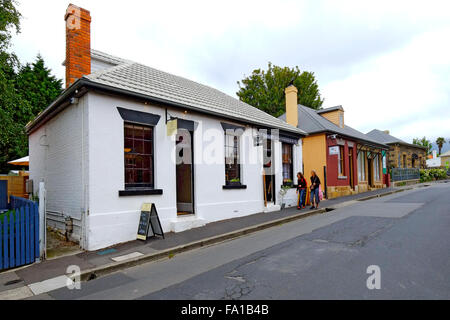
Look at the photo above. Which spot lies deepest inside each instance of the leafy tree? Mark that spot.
(424, 143)
(9, 19)
(440, 143)
(24, 91)
(37, 85)
(265, 89)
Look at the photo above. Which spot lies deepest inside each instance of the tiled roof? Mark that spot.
(105, 57)
(384, 137)
(310, 121)
(325, 110)
(137, 78)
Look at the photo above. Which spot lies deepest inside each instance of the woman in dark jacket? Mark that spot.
(315, 183)
(301, 189)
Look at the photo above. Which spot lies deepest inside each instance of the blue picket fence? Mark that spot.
(19, 233)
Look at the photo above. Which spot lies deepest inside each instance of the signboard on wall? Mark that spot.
(172, 126)
(333, 150)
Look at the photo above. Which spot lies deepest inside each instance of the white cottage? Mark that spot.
(123, 134)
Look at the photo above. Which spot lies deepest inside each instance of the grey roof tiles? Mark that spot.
(138, 78)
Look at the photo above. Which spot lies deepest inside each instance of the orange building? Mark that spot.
(346, 160)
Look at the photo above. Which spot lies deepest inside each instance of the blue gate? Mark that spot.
(19, 233)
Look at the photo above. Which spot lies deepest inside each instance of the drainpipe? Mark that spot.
(325, 193)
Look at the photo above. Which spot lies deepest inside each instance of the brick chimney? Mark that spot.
(291, 105)
(78, 43)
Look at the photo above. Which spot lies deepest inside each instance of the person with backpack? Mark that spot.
(301, 191)
(315, 183)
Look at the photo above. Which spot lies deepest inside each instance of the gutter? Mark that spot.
(367, 143)
(59, 104)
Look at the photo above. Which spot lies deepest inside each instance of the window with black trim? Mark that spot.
(138, 153)
(232, 166)
(287, 159)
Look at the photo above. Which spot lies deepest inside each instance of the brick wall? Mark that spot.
(78, 43)
(396, 160)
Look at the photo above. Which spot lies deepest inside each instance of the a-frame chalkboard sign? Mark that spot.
(149, 224)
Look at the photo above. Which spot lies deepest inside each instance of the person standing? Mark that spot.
(301, 190)
(315, 183)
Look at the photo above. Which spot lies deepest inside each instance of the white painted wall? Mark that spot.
(83, 168)
(435, 162)
(114, 219)
(56, 158)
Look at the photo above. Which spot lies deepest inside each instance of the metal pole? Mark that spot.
(42, 222)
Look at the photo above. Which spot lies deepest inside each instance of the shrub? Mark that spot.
(432, 174)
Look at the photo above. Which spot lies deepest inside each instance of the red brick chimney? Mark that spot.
(78, 43)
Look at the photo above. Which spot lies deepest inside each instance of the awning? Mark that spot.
(25, 161)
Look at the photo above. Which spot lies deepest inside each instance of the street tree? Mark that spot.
(424, 143)
(440, 143)
(264, 89)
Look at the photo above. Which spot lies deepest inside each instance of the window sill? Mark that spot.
(237, 186)
(342, 177)
(140, 192)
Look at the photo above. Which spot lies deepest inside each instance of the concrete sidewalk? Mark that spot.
(50, 274)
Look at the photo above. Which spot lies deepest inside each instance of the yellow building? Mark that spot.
(346, 160)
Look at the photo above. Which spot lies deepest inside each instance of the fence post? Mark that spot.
(42, 222)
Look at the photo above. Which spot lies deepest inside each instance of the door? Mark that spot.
(269, 173)
(185, 172)
(350, 161)
(370, 171)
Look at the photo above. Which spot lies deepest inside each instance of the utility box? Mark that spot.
(29, 186)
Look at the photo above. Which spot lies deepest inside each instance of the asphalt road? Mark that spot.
(406, 235)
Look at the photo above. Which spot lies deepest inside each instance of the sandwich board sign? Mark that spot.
(149, 224)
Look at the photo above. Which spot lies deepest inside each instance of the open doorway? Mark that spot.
(185, 172)
(269, 173)
(351, 174)
(370, 171)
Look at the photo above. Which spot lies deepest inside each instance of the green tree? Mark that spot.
(440, 143)
(37, 85)
(9, 19)
(424, 143)
(24, 91)
(265, 89)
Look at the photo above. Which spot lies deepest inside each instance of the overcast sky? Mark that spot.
(386, 62)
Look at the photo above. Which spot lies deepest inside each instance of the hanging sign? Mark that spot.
(172, 126)
(149, 224)
(333, 150)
